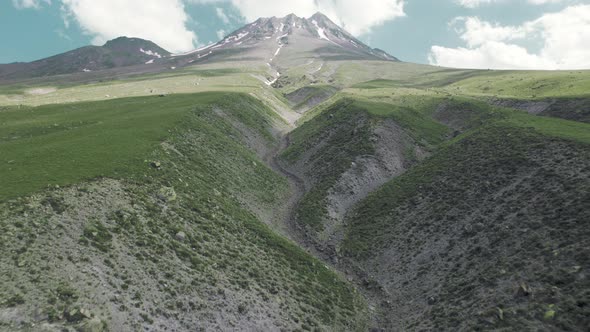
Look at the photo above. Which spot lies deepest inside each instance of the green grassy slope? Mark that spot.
(525, 84)
(63, 144)
(166, 236)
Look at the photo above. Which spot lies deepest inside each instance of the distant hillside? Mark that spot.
(120, 52)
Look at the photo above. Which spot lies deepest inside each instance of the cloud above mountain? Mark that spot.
(161, 21)
(477, 3)
(564, 38)
(165, 21)
(358, 17)
(36, 4)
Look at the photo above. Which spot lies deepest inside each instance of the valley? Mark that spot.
(291, 178)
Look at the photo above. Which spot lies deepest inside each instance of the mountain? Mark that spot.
(286, 41)
(116, 53)
(289, 40)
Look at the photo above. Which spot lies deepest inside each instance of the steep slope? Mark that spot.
(463, 229)
(162, 233)
(489, 233)
(120, 52)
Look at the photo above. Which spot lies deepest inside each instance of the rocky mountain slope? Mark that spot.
(267, 38)
(489, 233)
(277, 41)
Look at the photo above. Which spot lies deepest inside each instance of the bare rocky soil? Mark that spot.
(488, 233)
(304, 99)
(576, 109)
(388, 153)
(495, 238)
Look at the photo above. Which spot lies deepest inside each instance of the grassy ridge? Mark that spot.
(482, 214)
(516, 128)
(524, 84)
(421, 114)
(64, 144)
(566, 129)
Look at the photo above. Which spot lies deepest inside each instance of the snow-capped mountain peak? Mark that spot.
(316, 33)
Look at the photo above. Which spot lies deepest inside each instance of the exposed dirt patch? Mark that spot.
(287, 215)
(40, 91)
(576, 109)
(394, 153)
(457, 116)
(306, 98)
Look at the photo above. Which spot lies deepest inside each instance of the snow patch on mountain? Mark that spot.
(321, 31)
(277, 52)
(236, 38)
(150, 53)
(194, 51)
(320, 68)
(259, 35)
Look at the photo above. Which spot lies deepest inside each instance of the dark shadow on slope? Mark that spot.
(304, 99)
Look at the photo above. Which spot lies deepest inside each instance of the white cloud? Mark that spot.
(222, 16)
(477, 3)
(358, 17)
(220, 34)
(494, 55)
(565, 37)
(542, 2)
(36, 4)
(473, 3)
(161, 21)
(476, 32)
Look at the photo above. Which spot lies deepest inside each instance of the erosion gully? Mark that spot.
(376, 297)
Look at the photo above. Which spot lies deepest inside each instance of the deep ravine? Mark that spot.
(375, 296)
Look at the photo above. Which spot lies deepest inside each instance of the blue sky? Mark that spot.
(543, 34)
